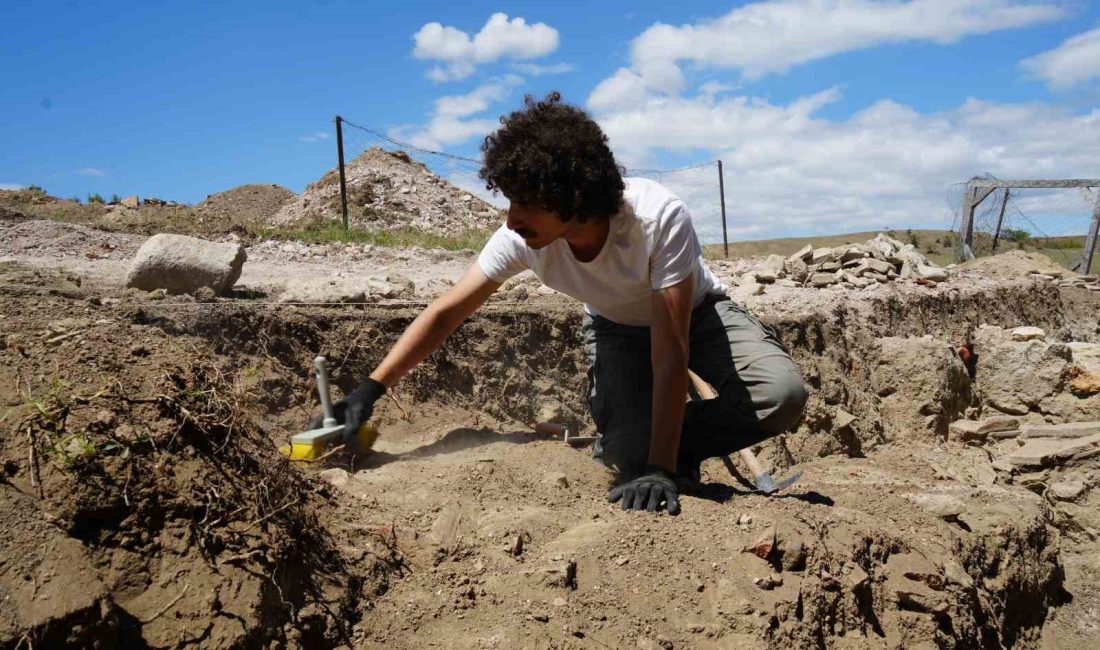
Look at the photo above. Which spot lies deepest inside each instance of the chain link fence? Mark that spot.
(1058, 222)
(699, 185)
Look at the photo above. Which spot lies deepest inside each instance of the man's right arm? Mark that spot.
(432, 327)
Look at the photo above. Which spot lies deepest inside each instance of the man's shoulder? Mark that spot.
(649, 199)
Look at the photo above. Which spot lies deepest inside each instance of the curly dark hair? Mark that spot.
(553, 156)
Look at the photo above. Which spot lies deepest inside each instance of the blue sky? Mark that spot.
(830, 115)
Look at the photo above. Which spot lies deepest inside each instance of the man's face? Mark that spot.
(538, 227)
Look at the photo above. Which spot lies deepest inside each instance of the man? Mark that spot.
(652, 308)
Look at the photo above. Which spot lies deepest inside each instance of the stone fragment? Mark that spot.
(1067, 430)
(829, 267)
(769, 582)
(980, 429)
(772, 270)
(1046, 452)
(561, 574)
(854, 577)
(822, 279)
(763, 545)
(558, 480)
(1083, 382)
(820, 255)
(335, 476)
(944, 506)
(621, 560)
(130, 201)
(933, 273)
(1085, 355)
(1066, 490)
(803, 254)
(1028, 334)
(858, 282)
(181, 264)
(843, 419)
(797, 269)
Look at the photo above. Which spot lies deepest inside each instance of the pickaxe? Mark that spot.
(762, 481)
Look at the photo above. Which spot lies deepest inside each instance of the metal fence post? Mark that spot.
(722, 194)
(343, 182)
(1090, 241)
(1000, 220)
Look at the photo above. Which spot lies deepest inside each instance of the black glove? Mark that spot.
(648, 492)
(355, 409)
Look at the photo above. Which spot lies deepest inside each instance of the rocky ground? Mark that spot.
(138, 449)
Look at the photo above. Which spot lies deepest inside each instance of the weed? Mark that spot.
(95, 198)
(116, 198)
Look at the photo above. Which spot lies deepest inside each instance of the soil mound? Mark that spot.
(388, 190)
(247, 203)
(139, 476)
(1015, 264)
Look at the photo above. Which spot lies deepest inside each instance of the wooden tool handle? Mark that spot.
(549, 429)
(706, 391)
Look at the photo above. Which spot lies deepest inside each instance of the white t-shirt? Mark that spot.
(651, 245)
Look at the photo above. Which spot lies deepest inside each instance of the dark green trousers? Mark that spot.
(760, 390)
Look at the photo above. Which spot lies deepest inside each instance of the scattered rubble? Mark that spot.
(388, 190)
(251, 203)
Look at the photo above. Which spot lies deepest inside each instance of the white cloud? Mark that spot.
(451, 123)
(1074, 61)
(538, 69)
(789, 171)
(91, 171)
(501, 38)
(773, 36)
(11, 187)
(316, 136)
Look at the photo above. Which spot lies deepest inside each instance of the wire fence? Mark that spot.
(699, 184)
(1054, 221)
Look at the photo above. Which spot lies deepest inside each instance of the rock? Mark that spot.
(791, 550)
(803, 254)
(769, 582)
(621, 560)
(797, 269)
(820, 255)
(843, 419)
(1028, 333)
(558, 480)
(858, 282)
(1066, 490)
(744, 520)
(321, 290)
(872, 264)
(1085, 355)
(1068, 430)
(392, 287)
(1016, 377)
(561, 574)
(1046, 452)
(828, 267)
(933, 273)
(763, 545)
(1083, 383)
(922, 386)
(980, 429)
(854, 577)
(181, 264)
(645, 643)
(877, 277)
(130, 202)
(774, 268)
(335, 477)
(944, 506)
(822, 279)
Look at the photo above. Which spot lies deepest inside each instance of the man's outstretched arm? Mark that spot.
(432, 327)
(420, 339)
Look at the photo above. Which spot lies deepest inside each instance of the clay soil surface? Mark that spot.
(144, 502)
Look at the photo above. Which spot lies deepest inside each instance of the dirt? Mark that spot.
(1015, 264)
(138, 445)
(251, 203)
(388, 190)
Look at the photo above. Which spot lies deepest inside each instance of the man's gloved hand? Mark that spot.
(354, 410)
(654, 488)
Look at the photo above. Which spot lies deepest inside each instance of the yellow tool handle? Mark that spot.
(706, 391)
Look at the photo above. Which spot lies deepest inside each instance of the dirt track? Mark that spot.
(154, 480)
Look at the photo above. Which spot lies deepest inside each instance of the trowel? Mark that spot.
(311, 445)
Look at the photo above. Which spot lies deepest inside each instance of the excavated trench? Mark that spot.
(466, 530)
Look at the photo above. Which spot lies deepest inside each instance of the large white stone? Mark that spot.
(182, 264)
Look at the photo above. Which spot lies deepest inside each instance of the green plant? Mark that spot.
(324, 232)
(116, 198)
(75, 199)
(911, 237)
(95, 198)
(36, 189)
(1017, 236)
